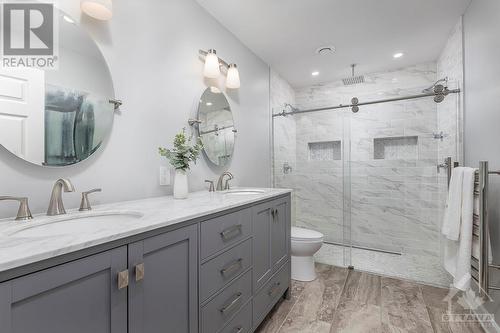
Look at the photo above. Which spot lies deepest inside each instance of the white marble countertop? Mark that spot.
(23, 243)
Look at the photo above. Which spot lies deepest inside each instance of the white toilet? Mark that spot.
(305, 243)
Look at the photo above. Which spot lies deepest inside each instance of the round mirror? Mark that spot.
(216, 126)
(61, 116)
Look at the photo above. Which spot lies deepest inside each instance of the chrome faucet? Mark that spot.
(56, 206)
(85, 203)
(211, 188)
(23, 213)
(221, 179)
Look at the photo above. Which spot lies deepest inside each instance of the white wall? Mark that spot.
(152, 50)
(482, 105)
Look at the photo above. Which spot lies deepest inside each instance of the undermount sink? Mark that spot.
(74, 223)
(245, 191)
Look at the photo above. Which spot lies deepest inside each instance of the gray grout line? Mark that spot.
(426, 307)
(290, 311)
(340, 296)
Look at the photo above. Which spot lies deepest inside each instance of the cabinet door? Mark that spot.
(262, 263)
(163, 291)
(78, 297)
(271, 239)
(280, 233)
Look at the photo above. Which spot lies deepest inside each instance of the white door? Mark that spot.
(22, 112)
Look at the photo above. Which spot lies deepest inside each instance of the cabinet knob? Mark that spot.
(122, 279)
(139, 272)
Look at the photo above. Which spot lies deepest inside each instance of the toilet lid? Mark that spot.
(305, 234)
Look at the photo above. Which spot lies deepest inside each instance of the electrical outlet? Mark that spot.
(164, 176)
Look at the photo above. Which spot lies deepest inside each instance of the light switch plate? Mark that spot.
(164, 176)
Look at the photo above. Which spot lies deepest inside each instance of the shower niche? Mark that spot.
(325, 151)
(395, 148)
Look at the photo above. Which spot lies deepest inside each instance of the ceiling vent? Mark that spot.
(325, 50)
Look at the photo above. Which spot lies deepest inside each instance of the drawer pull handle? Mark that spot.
(235, 266)
(274, 289)
(238, 329)
(275, 214)
(122, 280)
(232, 304)
(139, 272)
(231, 232)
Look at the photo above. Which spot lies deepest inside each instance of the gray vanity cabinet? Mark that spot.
(271, 227)
(215, 274)
(81, 296)
(163, 289)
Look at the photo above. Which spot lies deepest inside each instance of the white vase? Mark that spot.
(180, 184)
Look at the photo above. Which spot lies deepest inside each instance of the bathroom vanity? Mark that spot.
(215, 262)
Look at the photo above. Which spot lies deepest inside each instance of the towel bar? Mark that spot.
(484, 233)
(480, 266)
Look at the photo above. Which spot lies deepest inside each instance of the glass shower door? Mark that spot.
(309, 151)
(397, 194)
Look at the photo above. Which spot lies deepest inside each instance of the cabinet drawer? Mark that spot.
(220, 270)
(222, 308)
(221, 232)
(270, 294)
(242, 322)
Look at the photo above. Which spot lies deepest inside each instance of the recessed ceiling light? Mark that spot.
(398, 55)
(209, 104)
(316, 73)
(68, 19)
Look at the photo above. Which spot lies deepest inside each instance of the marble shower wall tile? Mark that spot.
(284, 132)
(450, 111)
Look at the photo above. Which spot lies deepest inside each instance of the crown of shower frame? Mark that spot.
(439, 90)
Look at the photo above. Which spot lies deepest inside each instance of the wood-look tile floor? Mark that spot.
(340, 300)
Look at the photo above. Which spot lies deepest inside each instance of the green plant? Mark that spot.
(183, 152)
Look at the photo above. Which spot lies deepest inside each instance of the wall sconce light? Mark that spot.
(213, 65)
(98, 9)
(233, 77)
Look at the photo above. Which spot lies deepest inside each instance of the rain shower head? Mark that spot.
(349, 81)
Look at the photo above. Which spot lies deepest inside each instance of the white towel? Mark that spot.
(451, 222)
(457, 227)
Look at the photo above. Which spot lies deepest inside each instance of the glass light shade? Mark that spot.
(233, 77)
(98, 9)
(212, 67)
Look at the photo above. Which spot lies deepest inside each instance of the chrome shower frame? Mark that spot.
(439, 93)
